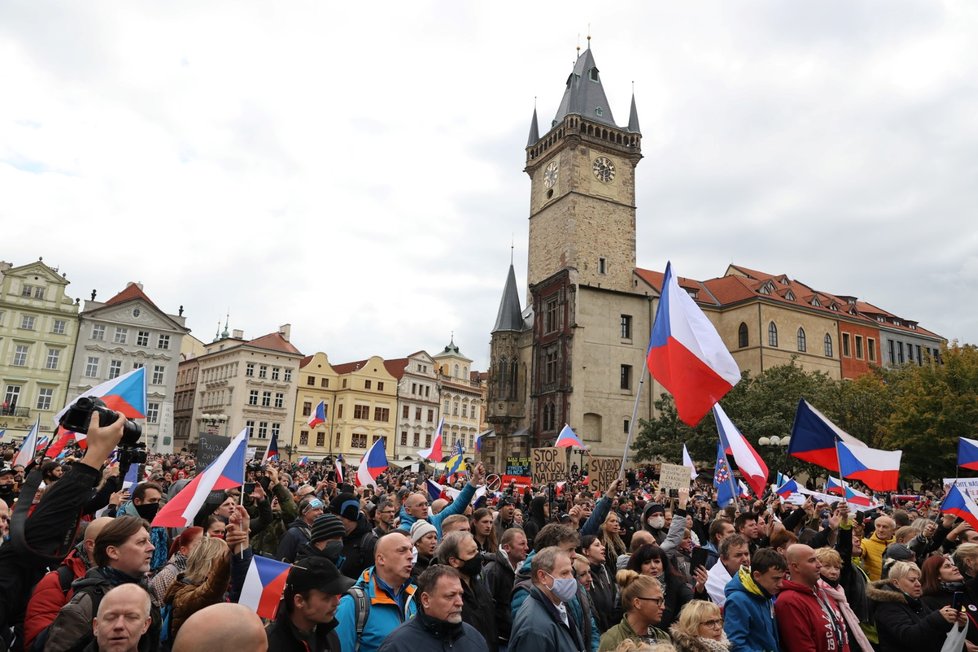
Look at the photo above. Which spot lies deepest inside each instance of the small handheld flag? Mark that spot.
(456, 463)
(688, 461)
(960, 504)
(272, 452)
(568, 439)
(787, 488)
(263, 585)
(338, 462)
(28, 447)
(751, 466)
(318, 415)
(304, 460)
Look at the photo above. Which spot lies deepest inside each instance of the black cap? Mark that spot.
(504, 501)
(320, 574)
(4, 470)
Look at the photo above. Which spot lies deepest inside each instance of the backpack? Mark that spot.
(361, 607)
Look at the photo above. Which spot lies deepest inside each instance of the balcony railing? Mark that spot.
(15, 412)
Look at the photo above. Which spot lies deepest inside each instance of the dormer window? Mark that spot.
(767, 288)
(692, 293)
(816, 302)
(881, 319)
(789, 295)
(598, 111)
(593, 74)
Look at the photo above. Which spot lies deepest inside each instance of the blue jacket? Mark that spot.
(387, 612)
(748, 616)
(457, 506)
(537, 627)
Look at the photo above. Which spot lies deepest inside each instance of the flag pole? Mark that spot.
(842, 480)
(631, 424)
(730, 479)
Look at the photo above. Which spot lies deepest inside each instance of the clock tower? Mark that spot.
(582, 195)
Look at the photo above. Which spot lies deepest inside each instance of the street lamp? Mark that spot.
(779, 446)
(213, 422)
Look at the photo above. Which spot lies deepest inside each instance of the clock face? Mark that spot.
(550, 174)
(603, 169)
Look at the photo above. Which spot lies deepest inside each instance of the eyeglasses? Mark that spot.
(713, 623)
(657, 601)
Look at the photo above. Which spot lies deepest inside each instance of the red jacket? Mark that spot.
(48, 598)
(804, 625)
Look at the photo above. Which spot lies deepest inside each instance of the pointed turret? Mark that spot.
(584, 94)
(633, 117)
(534, 130)
(510, 317)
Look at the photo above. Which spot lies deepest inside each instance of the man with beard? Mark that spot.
(460, 551)
(438, 624)
(307, 616)
(7, 485)
(506, 518)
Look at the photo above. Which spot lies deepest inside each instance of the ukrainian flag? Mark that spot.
(456, 463)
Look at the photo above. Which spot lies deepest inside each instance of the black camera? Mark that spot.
(77, 417)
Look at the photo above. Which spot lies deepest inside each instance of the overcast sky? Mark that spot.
(355, 169)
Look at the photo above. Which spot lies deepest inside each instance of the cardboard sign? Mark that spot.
(602, 471)
(209, 447)
(673, 476)
(549, 465)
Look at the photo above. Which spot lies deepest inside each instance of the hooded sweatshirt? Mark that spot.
(748, 616)
(807, 621)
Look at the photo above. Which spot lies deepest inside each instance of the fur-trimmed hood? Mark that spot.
(883, 591)
(686, 643)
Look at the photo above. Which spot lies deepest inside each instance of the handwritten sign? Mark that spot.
(548, 465)
(673, 476)
(209, 447)
(602, 471)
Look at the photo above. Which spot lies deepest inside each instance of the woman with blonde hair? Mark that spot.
(642, 599)
(204, 582)
(610, 537)
(699, 628)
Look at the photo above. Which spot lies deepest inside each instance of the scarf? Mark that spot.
(839, 597)
(723, 645)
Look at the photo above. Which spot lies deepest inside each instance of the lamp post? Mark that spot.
(778, 446)
(214, 422)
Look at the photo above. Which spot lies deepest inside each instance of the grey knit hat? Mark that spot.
(327, 526)
(421, 528)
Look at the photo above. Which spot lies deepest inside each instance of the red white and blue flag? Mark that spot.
(223, 473)
(28, 447)
(686, 354)
(263, 585)
(788, 487)
(338, 463)
(960, 504)
(304, 460)
(125, 394)
(752, 467)
(272, 452)
(875, 468)
(968, 453)
(813, 437)
(568, 439)
(372, 465)
(318, 415)
(434, 454)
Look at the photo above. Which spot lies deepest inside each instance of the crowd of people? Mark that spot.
(391, 567)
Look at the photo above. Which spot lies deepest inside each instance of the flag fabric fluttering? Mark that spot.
(744, 490)
(2, 432)
(434, 489)
(372, 465)
(688, 461)
(456, 463)
(751, 466)
(318, 415)
(686, 354)
(125, 394)
(960, 504)
(787, 487)
(721, 479)
(478, 443)
(434, 453)
(875, 468)
(272, 452)
(813, 437)
(304, 460)
(226, 471)
(28, 447)
(568, 439)
(263, 585)
(968, 453)
(338, 463)
(132, 477)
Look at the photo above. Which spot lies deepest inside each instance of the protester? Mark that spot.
(874, 546)
(180, 549)
(425, 540)
(643, 601)
(542, 622)
(749, 606)
(358, 538)
(203, 583)
(483, 530)
(805, 616)
(460, 551)
(300, 530)
(306, 619)
(942, 584)
(700, 628)
(222, 626)
(734, 553)
(500, 576)
(652, 560)
(603, 591)
(829, 576)
(122, 619)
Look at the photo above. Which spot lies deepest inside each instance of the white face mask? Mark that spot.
(657, 522)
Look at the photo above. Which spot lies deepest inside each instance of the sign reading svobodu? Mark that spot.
(673, 476)
(548, 465)
(602, 471)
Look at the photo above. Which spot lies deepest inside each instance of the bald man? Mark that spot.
(54, 590)
(222, 627)
(806, 618)
(123, 618)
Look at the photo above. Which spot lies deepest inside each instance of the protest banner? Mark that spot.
(673, 476)
(209, 447)
(517, 471)
(548, 465)
(602, 471)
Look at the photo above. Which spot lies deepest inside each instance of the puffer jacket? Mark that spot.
(189, 597)
(905, 624)
(748, 616)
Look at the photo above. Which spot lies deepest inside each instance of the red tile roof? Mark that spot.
(274, 342)
(131, 293)
(394, 367)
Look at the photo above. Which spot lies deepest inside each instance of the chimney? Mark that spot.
(237, 334)
(285, 330)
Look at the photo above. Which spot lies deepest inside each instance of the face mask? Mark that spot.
(471, 567)
(657, 522)
(6, 489)
(565, 588)
(333, 549)
(147, 511)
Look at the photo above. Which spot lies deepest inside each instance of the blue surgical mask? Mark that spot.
(565, 588)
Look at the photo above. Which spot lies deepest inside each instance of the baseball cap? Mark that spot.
(320, 574)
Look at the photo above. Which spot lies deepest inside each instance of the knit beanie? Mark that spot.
(421, 528)
(327, 526)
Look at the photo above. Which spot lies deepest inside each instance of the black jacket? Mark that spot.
(905, 624)
(298, 533)
(282, 637)
(358, 549)
(603, 598)
(500, 578)
(423, 633)
(478, 610)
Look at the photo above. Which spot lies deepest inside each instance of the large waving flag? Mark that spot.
(318, 415)
(272, 452)
(456, 463)
(28, 447)
(968, 453)
(960, 504)
(568, 439)
(226, 471)
(434, 454)
(263, 585)
(813, 437)
(688, 461)
(686, 354)
(125, 394)
(722, 479)
(372, 465)
(877, 469)
(751, 466)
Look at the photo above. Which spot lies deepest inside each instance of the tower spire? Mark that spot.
(633, 114)
(584, 94)
(534, 129)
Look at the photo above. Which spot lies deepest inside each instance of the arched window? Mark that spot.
(772, 334)
(742, 335)
(828, 345)
(802, 343)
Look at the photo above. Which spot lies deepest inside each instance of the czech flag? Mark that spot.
(833, 486)
(125, 394)
(686, 354)
(968, 453)
(568, 439)
(787, 488)
(263, 585)
(877, 469)
(338, 462)
(434, 453)
(434, 489)
(854, 497)
(372, 465)
(223, 473)
(744, 491)
(478, 443)
(722, 480)
(28, 447)
(961, 505)
(751, 466)
(688, 461)
(272, 452)
(318, 415)
(303, 460)
(813, 437)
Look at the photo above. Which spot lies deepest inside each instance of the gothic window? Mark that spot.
(742, 336)
(802, 343)
(772, 334)
(550, 321)
(828, 345)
